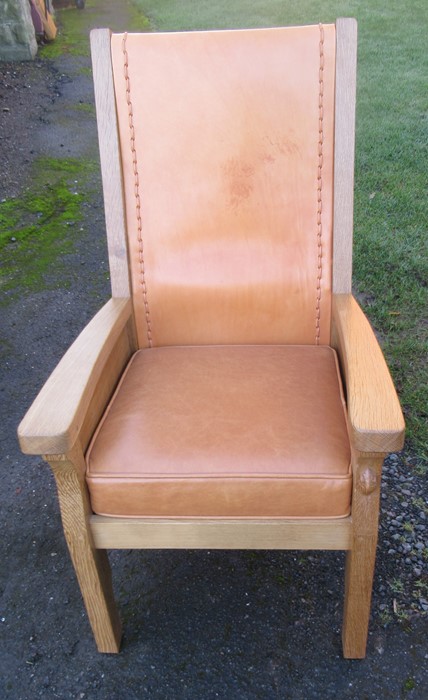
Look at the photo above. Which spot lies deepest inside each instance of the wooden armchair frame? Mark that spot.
(60, 423)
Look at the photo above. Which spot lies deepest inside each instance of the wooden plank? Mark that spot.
(344, 147)
(360, 560)
(90, 564)
(153, 533)
(375, 415)
(111, 169)
(118, 358)
(52, 424)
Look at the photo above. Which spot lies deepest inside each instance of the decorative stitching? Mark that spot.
(319, 187)
(136, 189)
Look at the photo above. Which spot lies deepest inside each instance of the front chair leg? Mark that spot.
(91, 565)
(360, 560)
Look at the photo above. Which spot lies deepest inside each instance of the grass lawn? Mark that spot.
(390, 250)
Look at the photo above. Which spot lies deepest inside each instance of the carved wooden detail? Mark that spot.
(367, 481)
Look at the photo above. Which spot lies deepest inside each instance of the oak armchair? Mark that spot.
(231, 394)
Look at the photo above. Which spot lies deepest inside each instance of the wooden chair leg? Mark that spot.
(91, 564)
(360, 561)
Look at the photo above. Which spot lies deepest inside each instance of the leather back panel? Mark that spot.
(227, 150)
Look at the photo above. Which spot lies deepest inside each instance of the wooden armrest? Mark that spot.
(374, 411)
(52, 424)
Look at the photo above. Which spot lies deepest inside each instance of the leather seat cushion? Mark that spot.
(224, 431)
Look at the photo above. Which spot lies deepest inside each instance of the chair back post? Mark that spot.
(111, 169)
(344, 148)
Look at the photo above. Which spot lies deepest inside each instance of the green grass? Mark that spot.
(391, 222)
(40, 226)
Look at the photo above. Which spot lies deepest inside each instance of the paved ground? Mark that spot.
(197, 624)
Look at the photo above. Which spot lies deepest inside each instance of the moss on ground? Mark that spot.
(73, 33)
(71, 37)
(85, 107)
(40, 226)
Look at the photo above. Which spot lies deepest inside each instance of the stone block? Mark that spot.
(17, 36)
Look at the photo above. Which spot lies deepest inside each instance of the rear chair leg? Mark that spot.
(360, 560)
(91, 565)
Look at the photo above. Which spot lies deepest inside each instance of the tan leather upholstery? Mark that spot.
(227, 154)
(224, 431)
(227, 150)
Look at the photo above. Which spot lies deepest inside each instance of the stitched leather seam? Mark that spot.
(138, 476)
(136, 190)
(319, 184)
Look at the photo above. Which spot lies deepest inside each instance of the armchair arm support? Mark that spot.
(52, 424)
(374, 411)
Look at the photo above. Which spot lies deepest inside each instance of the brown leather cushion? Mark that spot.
(224, 431)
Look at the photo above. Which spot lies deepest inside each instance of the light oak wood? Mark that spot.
(91, 565)
(156, 533)
(118, 358)
(361, 558)
(374, 411)
(54, 421)
(344, 146)
(111, 169)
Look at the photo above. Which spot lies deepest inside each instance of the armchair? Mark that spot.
(231, 394)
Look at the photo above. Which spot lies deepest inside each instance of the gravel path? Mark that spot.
(197, 624)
